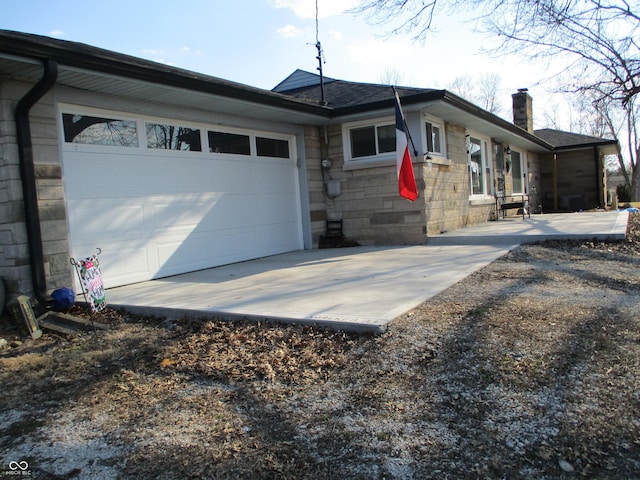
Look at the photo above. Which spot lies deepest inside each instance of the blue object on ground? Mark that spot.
(63, 299)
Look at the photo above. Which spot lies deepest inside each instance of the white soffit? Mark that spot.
(455, 115)
(31, 71)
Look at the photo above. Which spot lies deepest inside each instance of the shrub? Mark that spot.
(624, 193)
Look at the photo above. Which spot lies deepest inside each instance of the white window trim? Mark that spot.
(523, 164)
(443, 137)
(142, 119)
(371, 160)
(487, 161)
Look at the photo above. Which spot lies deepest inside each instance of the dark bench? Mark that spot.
(519, 205)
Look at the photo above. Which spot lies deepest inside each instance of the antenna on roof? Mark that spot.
(321, 59)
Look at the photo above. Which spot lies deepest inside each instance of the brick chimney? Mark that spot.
(523, 109)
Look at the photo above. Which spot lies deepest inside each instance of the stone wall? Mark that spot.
(577, 183)
(369, 205)
(14, 252)
(447, 189)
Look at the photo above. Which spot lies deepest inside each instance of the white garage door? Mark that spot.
(160, 199)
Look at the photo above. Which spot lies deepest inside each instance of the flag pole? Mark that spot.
(406, 129)
(404, 166)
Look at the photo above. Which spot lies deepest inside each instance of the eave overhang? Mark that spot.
(89, 68)
(454, 109)
(605, 147)
(97, 70)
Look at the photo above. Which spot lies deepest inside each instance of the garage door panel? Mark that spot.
(279, 236)
(98, 220)
(204, 250)
(103, 174)
(119, 264)
(175, 212)
(275, 176)
(182, 255)
(277, 207)
(231, 211)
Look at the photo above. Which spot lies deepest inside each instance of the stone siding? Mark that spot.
(369, 206)
(577, 184)
(14, 251)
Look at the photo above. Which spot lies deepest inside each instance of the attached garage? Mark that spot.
(165, 170)
(161, 197)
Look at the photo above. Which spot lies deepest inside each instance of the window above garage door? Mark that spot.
(117, 130)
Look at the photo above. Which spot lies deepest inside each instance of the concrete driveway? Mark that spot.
(360, 288)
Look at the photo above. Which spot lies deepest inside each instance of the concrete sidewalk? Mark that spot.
(564, 226)
(361, 288)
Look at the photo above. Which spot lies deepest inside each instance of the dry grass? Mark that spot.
(528, 368)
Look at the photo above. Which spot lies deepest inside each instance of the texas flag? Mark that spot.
(406, 180)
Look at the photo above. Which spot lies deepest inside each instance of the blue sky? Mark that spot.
(260, 42)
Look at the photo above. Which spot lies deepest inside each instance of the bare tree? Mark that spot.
(392, 76)
(601, 115)
(489, 89)
(598, 36)
(484, 92)
(598, 41)
(629, 125)
(410, 16)
(464, 86)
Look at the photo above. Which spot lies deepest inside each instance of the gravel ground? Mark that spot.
(529, 368)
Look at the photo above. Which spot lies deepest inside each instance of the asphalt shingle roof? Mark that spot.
(559, 138)
(305, 87)
(340, 95)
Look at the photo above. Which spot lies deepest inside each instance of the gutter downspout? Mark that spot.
(27, 174)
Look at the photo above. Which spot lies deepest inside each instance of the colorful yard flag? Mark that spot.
(89, 272)
(406, 181)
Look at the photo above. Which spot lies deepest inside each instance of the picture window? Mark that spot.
(372, 140)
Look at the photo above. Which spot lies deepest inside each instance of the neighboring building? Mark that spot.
(169, 171)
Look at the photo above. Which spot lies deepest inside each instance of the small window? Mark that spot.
(171, 137)
(386, 138)
(372, 140)
(479, 166)
(99, 131)
(222, 142)
(363, 142)
(272, 147)
(476, 166)
(517, 172)
(434, 145)
(434, 136)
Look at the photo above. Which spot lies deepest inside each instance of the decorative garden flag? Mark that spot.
(406, 180)
(89, 272)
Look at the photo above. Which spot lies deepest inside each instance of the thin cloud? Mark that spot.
(289, 31)
(58, 34)
(372, 50)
